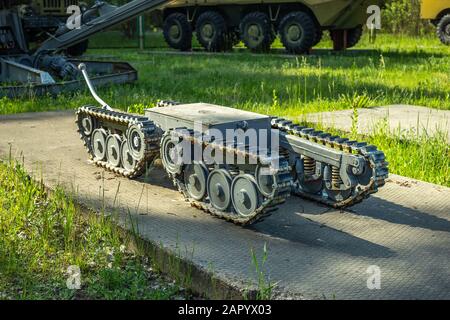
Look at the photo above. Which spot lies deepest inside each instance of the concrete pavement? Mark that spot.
(313, 251)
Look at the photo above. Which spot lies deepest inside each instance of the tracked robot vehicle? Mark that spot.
(234, 177)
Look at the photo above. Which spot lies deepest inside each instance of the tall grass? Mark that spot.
(42, 235)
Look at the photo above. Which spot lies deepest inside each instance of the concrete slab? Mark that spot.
(314, 251)
(420, 120)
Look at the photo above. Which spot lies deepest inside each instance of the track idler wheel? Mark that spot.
(87, 125)
(195, 178)
(219, 189)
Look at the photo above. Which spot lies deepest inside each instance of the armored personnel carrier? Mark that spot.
(220, 24)
(233, 164)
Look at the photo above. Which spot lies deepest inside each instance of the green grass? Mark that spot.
(42, 235)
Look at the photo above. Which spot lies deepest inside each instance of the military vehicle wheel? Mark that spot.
(211, 31)
(136, 141)
(245, 195)
(99, 144)
(113, 145)
(78, 49)
(87, 124)
(353, 36)
(318, 38)
(256, 31)
(126, 157)
(219, 189)
(265, 180)
(297, 32)
(443, 29)
(170, 155)
(195, 177)
(177, 31)
(343, 39)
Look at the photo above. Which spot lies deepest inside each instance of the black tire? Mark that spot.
(257, 32)
(344, 39)
(78, 49)
(318, 38)
(353, 36)
(211, 31)
(443, 29)
(297, 32)
(177, 31)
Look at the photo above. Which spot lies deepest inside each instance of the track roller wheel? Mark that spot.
(265, 180)
(245, 195)
(99, 144)
(256, 31)
(136, 141)
(113, 144)
(126, 158)
(171, 155)
(211, 31)
(177, 31)
(219, 189)
(297, 32)
(195, 178)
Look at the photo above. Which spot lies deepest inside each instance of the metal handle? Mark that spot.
(83, 70)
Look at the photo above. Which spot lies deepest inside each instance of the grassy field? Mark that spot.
(42, 235)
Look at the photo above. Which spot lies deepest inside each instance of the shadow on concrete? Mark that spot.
(378, 208)
(287, 223)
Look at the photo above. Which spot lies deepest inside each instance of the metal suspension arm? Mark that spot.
(112, 16)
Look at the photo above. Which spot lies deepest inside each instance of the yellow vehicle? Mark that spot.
(438, 12)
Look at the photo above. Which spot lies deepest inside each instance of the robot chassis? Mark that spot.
(328, 169)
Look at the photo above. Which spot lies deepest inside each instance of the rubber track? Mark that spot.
(152, 138)
(374, 157)
(281, 191)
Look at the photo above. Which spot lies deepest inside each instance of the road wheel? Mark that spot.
(297, 32)
(256, 31)
(443, 29)
(318, 38)
(211, 30)
(353, 36)
(177, 31)
(343, 39)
